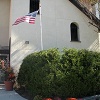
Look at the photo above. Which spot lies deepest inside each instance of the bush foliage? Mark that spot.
(71, 73)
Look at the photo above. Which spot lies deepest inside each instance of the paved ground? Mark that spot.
(95, 97)
(10, 95)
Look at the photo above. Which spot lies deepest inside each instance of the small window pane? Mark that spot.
(74, 32)
(34, 5)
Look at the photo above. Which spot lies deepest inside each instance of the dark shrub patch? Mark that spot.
(73, 73)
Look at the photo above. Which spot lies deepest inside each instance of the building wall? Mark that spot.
(56, 20)
(57, 15)
(4, 22)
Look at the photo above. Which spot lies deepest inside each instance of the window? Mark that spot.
(34, 5)
(74, 32)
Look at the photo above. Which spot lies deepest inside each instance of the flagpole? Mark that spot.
(41, 28)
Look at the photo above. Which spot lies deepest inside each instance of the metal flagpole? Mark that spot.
(41, 28)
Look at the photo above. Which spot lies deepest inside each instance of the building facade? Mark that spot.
(54, 27)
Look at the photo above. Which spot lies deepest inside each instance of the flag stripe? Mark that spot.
(19, 20)
(30, 18)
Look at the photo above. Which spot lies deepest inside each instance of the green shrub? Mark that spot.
(73, 73)
(39, 70)
(82, 70)
(38, 97)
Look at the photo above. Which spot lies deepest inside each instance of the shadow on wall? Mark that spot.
(94, 46)
(19, 51)
(18, 56)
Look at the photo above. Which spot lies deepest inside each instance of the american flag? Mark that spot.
(30, 18)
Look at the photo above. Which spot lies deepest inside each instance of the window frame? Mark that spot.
(74, 32)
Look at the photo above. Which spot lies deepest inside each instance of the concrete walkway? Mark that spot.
(10, 95)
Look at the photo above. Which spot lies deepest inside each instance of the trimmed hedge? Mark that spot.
(72, 73)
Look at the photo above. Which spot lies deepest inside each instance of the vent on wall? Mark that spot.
(26, 42)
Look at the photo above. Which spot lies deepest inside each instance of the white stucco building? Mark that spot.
(58, 20)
